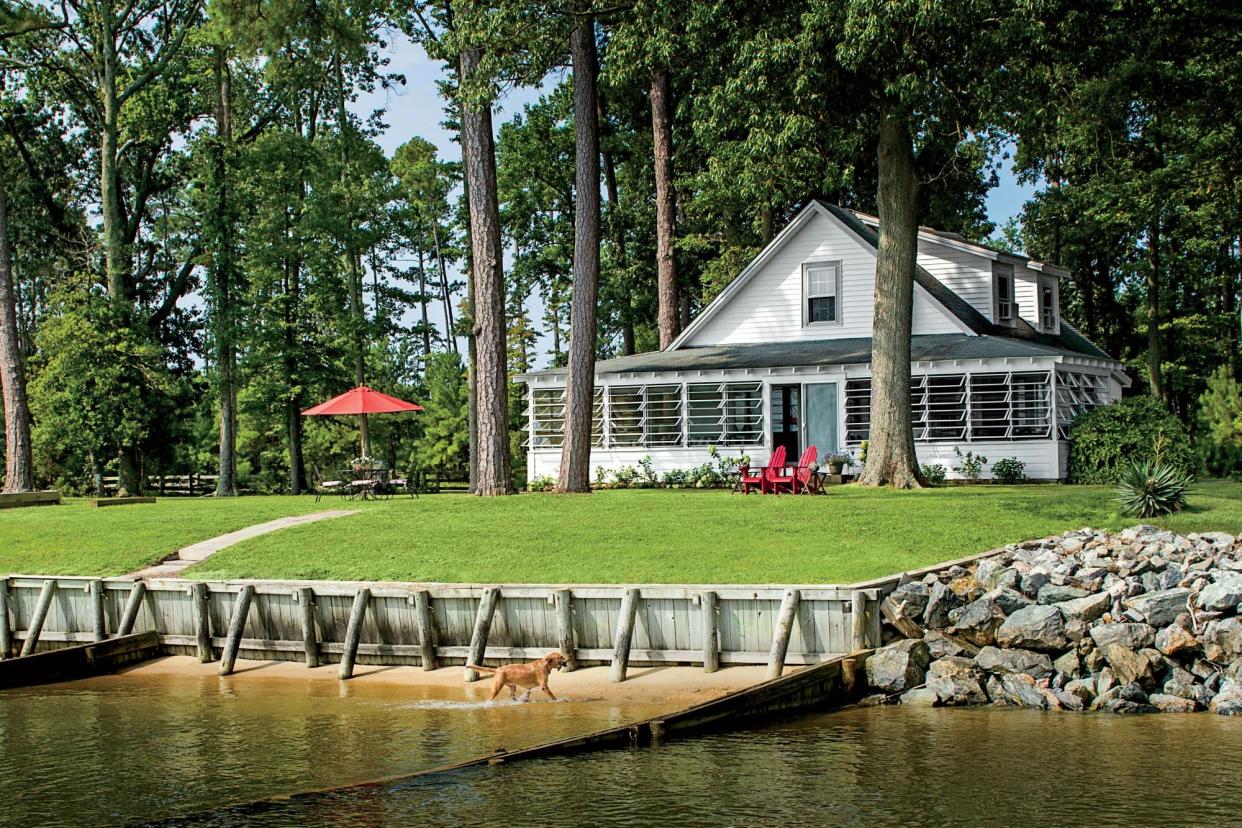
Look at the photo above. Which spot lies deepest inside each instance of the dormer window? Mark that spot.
(1047, 305)
(1002, 289)
(821, 293)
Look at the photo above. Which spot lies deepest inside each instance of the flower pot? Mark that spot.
(834, 468)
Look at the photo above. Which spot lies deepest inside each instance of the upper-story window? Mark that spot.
(1047, 305)
(1002, 290)
(821, 293)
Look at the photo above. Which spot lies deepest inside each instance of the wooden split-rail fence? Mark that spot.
(436, 625)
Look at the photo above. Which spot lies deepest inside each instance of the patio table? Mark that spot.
(365, 483)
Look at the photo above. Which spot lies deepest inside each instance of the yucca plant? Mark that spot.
(1147, 489)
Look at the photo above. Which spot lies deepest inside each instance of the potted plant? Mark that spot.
(839, 461)
(362, 463)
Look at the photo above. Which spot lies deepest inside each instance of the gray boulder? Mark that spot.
(940, 602)
(1005, 662)
(1127, 707)
(1017, 689)
(1087, 608)
(898, 667)
(1160, 608)
(1035, 627)
(1069, 701)
(1171, 704)
(911, 597)
(1131, 636)
(1223, 595)
(1222, 639)
(1175, 639)
(920, 697)
(1055, 594)
(1127, 665)
(1228, 702)
(956, 681)
(1068, 664)
(942, 645)
(1083, 689)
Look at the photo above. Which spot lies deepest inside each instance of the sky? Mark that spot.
(417, 109)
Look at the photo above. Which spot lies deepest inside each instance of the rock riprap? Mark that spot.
(1140, 621)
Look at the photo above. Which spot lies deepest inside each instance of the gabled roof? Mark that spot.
(823, 352)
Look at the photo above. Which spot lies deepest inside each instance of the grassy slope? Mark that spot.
(687, 536)
(75, 539)
(607, 537)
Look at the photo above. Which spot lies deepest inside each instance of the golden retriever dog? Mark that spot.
(527, 676)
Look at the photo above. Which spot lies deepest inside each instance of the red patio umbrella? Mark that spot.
(361, 401)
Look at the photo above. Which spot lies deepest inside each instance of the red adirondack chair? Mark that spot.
(775, 466)
(797, 477)
(748, 479)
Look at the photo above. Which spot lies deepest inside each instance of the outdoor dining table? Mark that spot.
(365, 483)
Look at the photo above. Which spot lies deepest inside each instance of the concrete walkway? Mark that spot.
(173, 566)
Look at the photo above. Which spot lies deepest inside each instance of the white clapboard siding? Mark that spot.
(969, 275)
(769, 307)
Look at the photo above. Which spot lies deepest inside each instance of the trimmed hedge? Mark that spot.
(1106, 441)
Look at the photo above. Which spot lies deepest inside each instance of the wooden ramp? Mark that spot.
(78, 662)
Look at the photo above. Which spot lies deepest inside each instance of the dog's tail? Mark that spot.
(478, 669)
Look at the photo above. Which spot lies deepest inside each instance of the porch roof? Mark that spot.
(825, 352)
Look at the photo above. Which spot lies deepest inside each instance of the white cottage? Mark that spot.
(782, 357)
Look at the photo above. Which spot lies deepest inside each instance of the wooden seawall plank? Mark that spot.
(81, 661)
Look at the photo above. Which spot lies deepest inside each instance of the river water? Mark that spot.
(116, 751)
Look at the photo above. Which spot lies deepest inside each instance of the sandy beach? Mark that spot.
(676, 686)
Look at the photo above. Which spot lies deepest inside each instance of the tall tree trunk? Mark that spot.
(1155, 344)
(18, 460)
(575, 471)
(616, 230)
(494, 474)
(117, 264)
(666, 206)
(223, 275)
(890, 452)
(449, 335)
(422, 303)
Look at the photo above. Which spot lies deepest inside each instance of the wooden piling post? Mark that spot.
(310, 638)
(708, 604)
(625, 632)
(202, 621)
(426, 629)
(132, 605)
(482, 626)
(100, 624)
(241, 608)
(780, 638)
(6, 632)
(40, 615)
(858, 620)
(565, 642)
(353, 633)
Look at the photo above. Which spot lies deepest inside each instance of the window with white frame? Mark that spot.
(821, 291)
(724, 414)
(547, 417)
(1047, 304)
(1077, 393)
(962, 407)
(1003, 290)
(662, 407)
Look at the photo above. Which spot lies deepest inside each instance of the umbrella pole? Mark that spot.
(362, 425)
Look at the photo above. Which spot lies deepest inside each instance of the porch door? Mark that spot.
(820, 423)
(787, 419)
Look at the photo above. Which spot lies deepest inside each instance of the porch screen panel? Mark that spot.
(743, 409)
(1030, 395)
(597, 418)
(705, 419)
(662, 409)
(547, 413)
(989, 407)
(857, 411)
(918, 407)
(946, 407)
(1077, 393)
(625, 415)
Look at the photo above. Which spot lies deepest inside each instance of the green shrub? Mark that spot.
(972, 464)
(676, 478)
(546, 483)
(1108, 440)
(934, 473)
(1219, 436)
(1009, 470)
(1149, 489)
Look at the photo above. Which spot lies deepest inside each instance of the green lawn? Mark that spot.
(607, 537)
